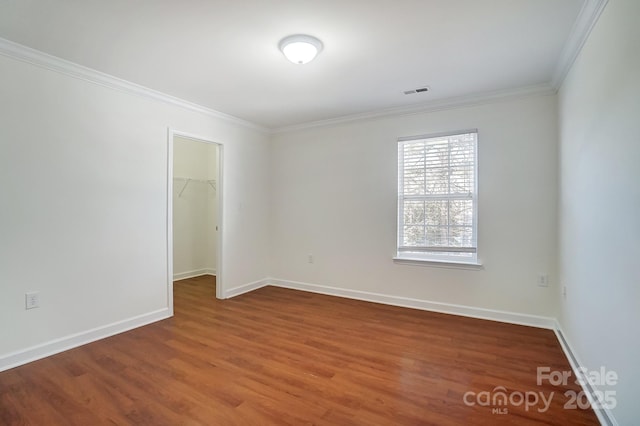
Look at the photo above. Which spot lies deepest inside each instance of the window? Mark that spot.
(437, 197)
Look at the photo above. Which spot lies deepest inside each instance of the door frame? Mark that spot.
(171, 134)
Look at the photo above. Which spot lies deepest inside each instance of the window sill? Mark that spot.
(438, 263)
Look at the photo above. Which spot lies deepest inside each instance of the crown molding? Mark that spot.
(53, 63)
(439, 105)
(586, 20)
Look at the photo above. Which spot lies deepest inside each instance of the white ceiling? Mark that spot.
(223, 54)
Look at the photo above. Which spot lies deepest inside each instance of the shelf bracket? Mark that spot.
(184, 187)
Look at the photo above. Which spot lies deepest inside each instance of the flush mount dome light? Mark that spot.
(300, 48)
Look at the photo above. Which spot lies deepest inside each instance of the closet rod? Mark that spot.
(211, 182)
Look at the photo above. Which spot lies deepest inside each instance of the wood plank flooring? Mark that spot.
(277, 356)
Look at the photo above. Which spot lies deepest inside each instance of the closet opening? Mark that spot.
(194, 206)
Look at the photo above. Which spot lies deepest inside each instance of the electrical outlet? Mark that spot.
(543, 280)
(32, 300)
(310, 258)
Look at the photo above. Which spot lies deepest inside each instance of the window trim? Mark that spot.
(403, 254)
(448, 264)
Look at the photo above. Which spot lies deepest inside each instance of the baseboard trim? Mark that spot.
(605, 416)
(195, 273)
(246, 288)
(34, 353)
(425, 305)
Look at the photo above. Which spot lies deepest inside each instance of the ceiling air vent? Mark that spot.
(418, 90)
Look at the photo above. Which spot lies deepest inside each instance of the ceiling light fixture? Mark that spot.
(300, 49)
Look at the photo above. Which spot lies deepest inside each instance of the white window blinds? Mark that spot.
(437, 196)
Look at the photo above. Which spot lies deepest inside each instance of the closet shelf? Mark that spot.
(211, 182)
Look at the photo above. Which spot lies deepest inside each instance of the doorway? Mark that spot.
(194, 206)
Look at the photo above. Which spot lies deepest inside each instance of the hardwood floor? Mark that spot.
(278, 356)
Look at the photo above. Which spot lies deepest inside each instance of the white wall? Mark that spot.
(600, 202)
(194, 208)
(83, 219)
(335, 190)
